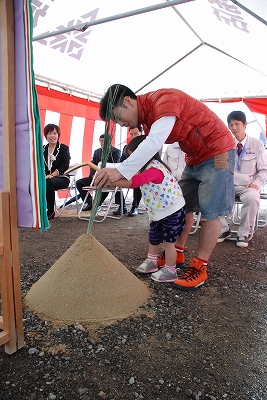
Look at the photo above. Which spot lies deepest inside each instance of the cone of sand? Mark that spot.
(87, 283)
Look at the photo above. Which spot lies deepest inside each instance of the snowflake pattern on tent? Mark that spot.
(70, 43)
(39, 9)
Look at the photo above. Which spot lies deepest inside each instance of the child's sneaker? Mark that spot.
(179, 258)
(193, 277)
(164, 275)
(147, 267)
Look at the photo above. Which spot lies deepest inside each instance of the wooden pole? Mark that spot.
(7, 321)
(9, 224)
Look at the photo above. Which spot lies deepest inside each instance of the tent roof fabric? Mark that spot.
(208, 48)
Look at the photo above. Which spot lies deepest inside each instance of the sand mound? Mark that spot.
(87, 283)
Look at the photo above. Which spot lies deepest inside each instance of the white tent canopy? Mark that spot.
(207, 48)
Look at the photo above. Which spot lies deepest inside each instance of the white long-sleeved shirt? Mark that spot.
(159, 132)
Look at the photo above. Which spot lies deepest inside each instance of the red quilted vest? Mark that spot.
(200, 132)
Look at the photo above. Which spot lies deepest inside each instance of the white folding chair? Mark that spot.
(102, 215)
(259, 223)
(69, 189)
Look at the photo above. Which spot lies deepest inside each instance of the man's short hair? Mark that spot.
(117, 93)
(140, 128)
(236, 116)
(101, 136)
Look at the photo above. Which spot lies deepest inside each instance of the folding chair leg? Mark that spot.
(81, 208)
(236, 221)
(197, 219)
(109, 206)
(58, 213)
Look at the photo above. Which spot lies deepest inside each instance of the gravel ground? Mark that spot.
(205, 344)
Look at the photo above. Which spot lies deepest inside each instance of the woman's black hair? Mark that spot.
(49, 128)
(132, 146)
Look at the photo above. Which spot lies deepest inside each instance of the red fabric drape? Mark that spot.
(68, 107)
(257, 105)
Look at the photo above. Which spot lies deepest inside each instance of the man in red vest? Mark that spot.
(168, 116)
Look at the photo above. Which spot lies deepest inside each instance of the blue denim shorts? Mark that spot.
(208, 187)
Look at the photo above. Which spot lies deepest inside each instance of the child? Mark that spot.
(165, 206)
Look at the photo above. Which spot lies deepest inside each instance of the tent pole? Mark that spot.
(250, 12)
(234, 58)
(171, 66)
(239, 98)
(190, 52)
(82, 27)
(66, 87)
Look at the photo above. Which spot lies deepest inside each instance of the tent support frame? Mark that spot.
(84, 26)
(249, 12)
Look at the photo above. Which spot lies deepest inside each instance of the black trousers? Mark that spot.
(80, 183)
(137, 195)
(52, 185)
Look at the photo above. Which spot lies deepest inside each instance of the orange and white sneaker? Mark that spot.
(193, 277)
(179, 258)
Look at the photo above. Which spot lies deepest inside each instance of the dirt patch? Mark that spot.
(209, 343)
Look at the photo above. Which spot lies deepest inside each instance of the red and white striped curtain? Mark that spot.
(79, 122)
